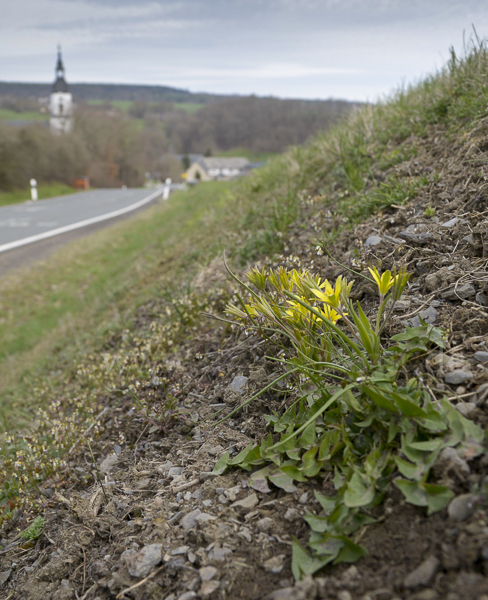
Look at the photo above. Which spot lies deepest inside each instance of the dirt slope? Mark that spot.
(168, 528)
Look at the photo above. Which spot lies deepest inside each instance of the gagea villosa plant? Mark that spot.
(355, 419)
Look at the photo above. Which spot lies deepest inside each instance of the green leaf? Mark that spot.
(221, 464)
(463, 428)
(408, 469)
(247, 458)
(282, 480)
(428, 446)
(406, 406)
(438, 496)
(318, 524)
(359, 491)
(34, 530)
(412, 492)
(328, 504)
(350, 552)
(302, 564)
(293, 472)
(308, 437)
(258, 481)
(379, 399)
(241, 456)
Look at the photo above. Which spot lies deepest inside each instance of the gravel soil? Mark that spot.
(168, 528)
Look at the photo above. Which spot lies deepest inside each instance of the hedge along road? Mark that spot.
(33, 229)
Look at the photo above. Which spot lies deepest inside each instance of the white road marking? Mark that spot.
(79, 224)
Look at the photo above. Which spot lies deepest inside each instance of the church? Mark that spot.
(60, 101)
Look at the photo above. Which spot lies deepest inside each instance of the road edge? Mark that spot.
(80, 224)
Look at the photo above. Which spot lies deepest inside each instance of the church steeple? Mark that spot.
(59, 65)
(61, 101)
(60, 84)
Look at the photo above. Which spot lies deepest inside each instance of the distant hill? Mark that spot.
(106, 91)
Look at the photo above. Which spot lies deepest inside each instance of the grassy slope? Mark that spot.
(94, 284)
(339, 168)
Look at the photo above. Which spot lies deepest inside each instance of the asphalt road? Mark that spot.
(30, 222)
(27, 236)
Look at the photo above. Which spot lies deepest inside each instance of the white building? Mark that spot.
(60, 101)
(220, 168)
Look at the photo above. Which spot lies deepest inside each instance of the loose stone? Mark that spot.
(207, 573)
(208, 587)
(246, 503)
(140, 563)
(458, 376)
(423, 574)
(461, 507)
(238, 384)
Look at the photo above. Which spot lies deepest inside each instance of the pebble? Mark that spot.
(191, 519)
(207, 573)
(223, 499)
(452, 222)
(207, 503)
(238, 384)
(429, 315)
(458, 376)
(372, 240)
(303, 498)
(175, 472)
(275, 564)
(188, 596)
(246, 534)
(246, 503)
(482, 299)
(460, 292)
(264, 524)
(208, 587)
(481, 356)
(423, 574)
(109, 463)
(344, 595)
(219, 554)
(180, 550)
(461, 507)
(292, 514)
(140, 563)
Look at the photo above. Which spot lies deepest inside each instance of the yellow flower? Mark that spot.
(332, 295)
(384, 282)
(330, 314)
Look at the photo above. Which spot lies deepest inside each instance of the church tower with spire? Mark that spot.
(60, 101)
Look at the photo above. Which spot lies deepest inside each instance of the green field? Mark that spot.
(29, 115)
(44, 191)
(189, 107)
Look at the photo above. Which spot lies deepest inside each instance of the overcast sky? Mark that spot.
(353, 49)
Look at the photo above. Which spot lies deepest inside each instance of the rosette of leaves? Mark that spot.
(355, 420)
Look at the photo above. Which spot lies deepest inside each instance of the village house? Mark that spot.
(215, 168)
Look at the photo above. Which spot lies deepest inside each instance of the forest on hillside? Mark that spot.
(117, 144)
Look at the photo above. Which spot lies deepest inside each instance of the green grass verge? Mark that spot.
(93, 285)
(44, 191)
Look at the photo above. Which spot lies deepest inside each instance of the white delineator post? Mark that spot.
(167, 188)
(33, 184)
